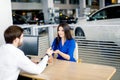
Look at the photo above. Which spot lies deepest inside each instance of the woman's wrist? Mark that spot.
(59, 52)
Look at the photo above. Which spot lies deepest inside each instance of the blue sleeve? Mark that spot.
(71, 50)
(54, 44)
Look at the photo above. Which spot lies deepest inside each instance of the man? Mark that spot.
(13, 60)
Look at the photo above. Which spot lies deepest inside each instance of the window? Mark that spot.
(100, 15)
(107, 13)
(113, 12)
(60, 1)
(13, 0)
(73, 1)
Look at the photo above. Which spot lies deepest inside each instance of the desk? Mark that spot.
(65, 70)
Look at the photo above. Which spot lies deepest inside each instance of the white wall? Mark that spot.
(118, 1)
(26, 6)
(5, 17)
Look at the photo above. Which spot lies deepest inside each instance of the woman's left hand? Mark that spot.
(56, 51)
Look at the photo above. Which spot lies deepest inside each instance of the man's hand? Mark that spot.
(49, 51)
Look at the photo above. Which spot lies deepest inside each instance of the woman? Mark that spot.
(64, 45)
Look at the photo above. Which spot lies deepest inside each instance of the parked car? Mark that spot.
(71, 20)
(27, 24)
(103, 24)
(18, 19)
(67, 19)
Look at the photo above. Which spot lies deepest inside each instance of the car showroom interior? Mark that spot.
(60, 40)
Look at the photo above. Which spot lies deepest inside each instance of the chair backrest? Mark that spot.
(76, 52)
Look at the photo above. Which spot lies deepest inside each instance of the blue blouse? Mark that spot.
(67, 48)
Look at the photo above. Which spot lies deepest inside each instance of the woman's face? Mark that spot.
(61, 32)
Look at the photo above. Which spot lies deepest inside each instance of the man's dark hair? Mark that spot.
(12, 32)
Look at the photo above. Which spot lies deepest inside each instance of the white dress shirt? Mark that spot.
(13, 60)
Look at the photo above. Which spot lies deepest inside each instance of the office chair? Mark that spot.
(76, 53)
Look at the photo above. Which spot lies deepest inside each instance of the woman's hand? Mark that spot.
(56, 51)
(65, 56)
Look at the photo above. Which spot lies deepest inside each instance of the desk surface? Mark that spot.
(65, 70)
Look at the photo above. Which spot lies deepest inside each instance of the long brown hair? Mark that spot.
(67, 32)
